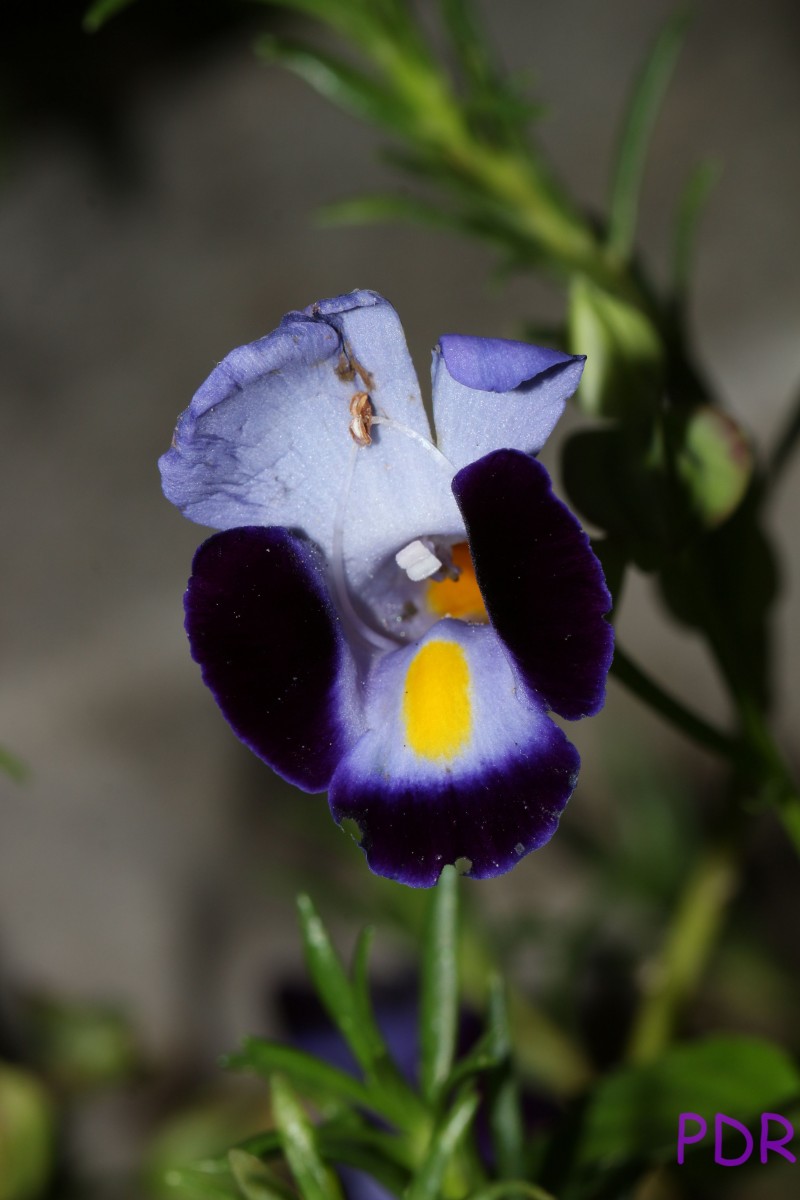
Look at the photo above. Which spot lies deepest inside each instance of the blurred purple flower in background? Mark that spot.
(387, 614)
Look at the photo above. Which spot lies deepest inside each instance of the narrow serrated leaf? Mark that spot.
(439, 985)
(443, 1144)
(316, 1079)
(640, 119)
(505, 1112)
(315, 1180)
(690, 209)
(338, 82)
(102, 11)
(335, 990)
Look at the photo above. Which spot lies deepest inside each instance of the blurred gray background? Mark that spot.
(146, 858)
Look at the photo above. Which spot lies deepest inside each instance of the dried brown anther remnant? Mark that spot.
(361, 413)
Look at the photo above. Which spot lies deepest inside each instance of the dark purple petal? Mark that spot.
(264, 631)
(543, 586)
(500, 365)
(484, 822)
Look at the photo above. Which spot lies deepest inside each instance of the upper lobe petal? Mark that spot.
(458, 761)
(542, 584)
(490, 392)
(262, 627)
(266, 439)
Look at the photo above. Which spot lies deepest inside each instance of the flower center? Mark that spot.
(460, 596)
(436, 704)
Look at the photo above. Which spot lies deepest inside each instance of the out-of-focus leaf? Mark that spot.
(444, 1142)
(714, 462)
(690, 209)
(13, 766)
(511, 1189)
(26, 1135)
(383, 29)
(505, 1113)
(340, 83)
(439, 986)
(80, 1046)
(315, 1180)
(188, 1156)
(624, 365)
(633, 1113)
(373, 210)
(101, 12)
(640, 120)
(619, 486)
(256, 1181)
(314, 1078)
(724, 584)
(201, 1181)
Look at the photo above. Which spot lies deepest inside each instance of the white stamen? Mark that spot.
(418, 561)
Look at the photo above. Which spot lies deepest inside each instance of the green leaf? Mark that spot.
(102, 11)
(714, 463)
(444, 1142)
(505, 1113)
(617, 483)
(643, 109)
(511, 1189)
(335, 990)
(338, 82)
(314, 1078)
(256, 1181)
(634, 1112)
(201, 1181)
(624, 366)
(724, 584)
(690, 209)
(439, 985)
(379, 209)
(13, 767)
(315, 1180)
(27, 1135)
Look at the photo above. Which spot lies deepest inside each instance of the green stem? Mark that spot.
(785, 446)
(677, 969)
(697, 728)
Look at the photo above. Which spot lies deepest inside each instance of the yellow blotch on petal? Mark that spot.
(436, 703)
(460, 597)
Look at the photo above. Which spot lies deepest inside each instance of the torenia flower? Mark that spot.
(386, 614)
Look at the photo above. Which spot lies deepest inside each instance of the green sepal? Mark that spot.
(623, 376)
(713, 462)
(439, 985)
(298, 1140)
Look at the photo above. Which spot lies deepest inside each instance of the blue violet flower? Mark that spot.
(389, 615)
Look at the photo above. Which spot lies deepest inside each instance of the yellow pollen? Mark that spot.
(436, 704)
(458, 597)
